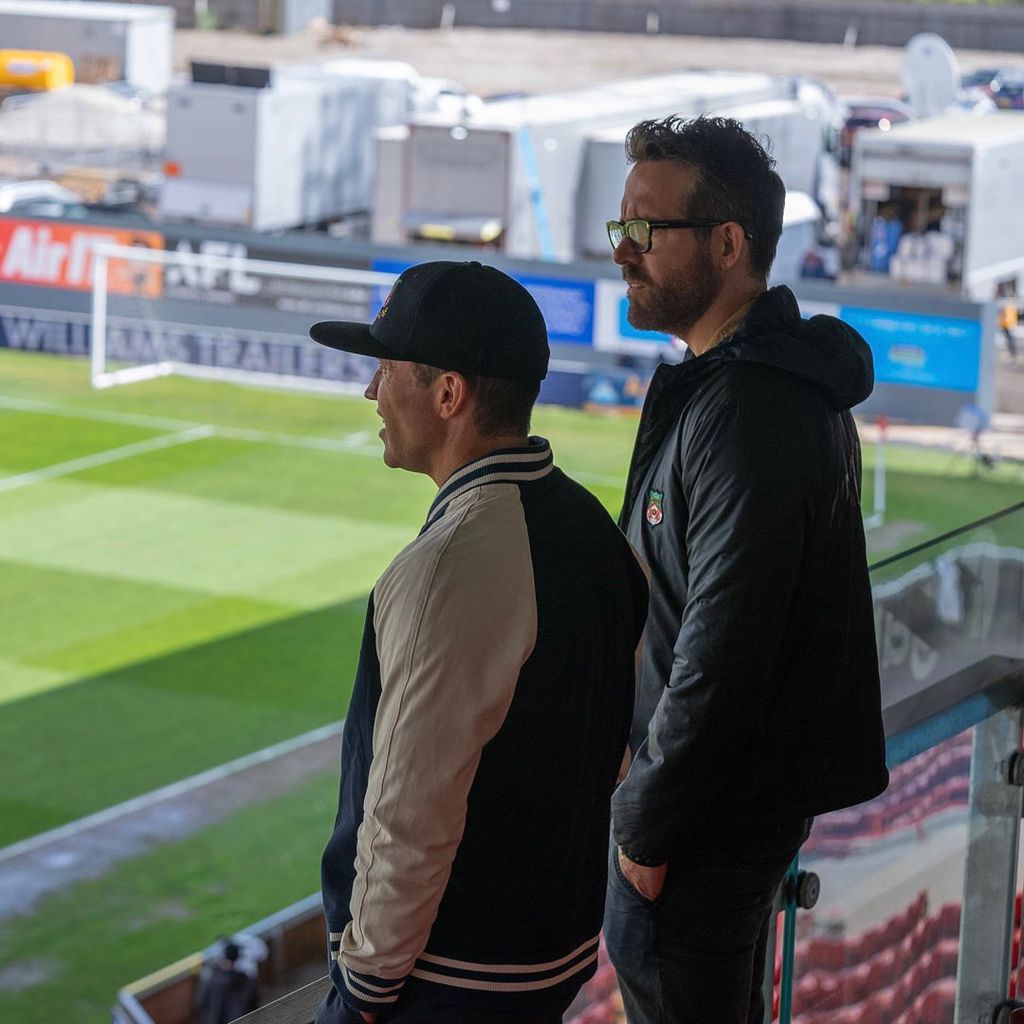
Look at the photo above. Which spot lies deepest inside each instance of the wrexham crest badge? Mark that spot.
(655, 512)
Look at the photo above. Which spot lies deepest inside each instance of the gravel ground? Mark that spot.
(517, 60)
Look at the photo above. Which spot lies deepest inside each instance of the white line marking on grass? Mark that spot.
(175, 789)
(127, 451)
(355, 443)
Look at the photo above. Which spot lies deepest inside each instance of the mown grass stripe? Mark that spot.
(127, 451)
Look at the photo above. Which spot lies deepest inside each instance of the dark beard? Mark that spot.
(677, 306)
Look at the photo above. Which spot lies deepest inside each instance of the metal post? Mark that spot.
(99, 317)
(990, 874)
(768, 985)
(789, 886)
(883, 436)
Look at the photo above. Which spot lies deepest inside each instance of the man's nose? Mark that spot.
(371, 388)
(625, 252)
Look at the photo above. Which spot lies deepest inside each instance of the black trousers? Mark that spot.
(696, 955)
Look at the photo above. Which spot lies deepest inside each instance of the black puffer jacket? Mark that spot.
(758, 696)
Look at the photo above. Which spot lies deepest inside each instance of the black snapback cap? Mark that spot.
(454, 316)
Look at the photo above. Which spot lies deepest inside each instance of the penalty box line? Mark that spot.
(128, 451)
(175, 789)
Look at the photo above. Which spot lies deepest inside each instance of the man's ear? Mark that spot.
(453, 395)
(732, 246)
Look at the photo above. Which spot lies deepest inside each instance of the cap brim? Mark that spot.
(350, 337)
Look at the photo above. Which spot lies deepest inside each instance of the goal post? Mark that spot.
(158, 312)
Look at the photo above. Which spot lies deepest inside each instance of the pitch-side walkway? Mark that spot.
(90, 847)
(1003, 439)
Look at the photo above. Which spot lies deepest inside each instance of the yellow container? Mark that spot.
(35, 70)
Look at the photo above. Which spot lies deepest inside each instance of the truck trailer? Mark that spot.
(538, 176)
(939, 204)
(284, 147)
(107, 42)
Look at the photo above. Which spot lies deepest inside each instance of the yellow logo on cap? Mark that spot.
(384, 308)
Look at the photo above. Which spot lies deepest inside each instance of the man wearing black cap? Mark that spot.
(464, 882)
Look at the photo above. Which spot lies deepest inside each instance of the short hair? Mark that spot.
(735, 175)
(502, 406)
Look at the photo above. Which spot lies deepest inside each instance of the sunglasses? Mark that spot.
(639, 231)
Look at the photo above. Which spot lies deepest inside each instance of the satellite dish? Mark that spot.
(931, 76)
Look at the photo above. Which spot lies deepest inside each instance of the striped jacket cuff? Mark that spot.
(361, 991)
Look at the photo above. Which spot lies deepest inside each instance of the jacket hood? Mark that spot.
(822, 350)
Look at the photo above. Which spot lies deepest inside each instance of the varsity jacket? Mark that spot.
(758, 692)
(488, 721)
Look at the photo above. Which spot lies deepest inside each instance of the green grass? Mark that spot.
(164, 613)
(929, 493)
(168, 612)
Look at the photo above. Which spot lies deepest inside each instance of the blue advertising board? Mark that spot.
(918, 349)
(566, 303)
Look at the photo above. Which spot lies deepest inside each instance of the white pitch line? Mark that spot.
(175, 789)
(128, 451)
(354, 444)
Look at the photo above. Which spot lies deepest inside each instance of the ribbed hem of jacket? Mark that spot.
(470, 982)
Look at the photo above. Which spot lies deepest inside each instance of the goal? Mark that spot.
(224, 316)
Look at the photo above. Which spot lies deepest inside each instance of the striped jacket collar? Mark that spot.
(504, 466)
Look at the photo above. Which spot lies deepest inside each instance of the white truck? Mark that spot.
(939, 203)
(538, 177)
(283, 147)
(107, 42)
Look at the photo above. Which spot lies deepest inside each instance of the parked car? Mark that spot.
(1008, 91)
(39, 198)
(1005, 85)
(981, 78)
(869, 112)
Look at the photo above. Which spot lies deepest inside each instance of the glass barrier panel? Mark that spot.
(882, 943)
(917, 914)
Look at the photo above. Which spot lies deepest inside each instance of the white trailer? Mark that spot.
(517, 174)
(292, 147)
(940, 203)
(105, 41)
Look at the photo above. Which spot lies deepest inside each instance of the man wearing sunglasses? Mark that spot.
(758, 700)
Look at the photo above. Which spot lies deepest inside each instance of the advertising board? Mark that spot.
(58, 254)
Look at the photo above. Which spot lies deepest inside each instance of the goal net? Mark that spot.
(225, 317)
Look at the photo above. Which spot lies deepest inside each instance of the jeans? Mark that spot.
(696, 954)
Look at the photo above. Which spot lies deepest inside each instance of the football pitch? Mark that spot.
(184, 571)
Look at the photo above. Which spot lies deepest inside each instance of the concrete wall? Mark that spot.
(818, 21)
